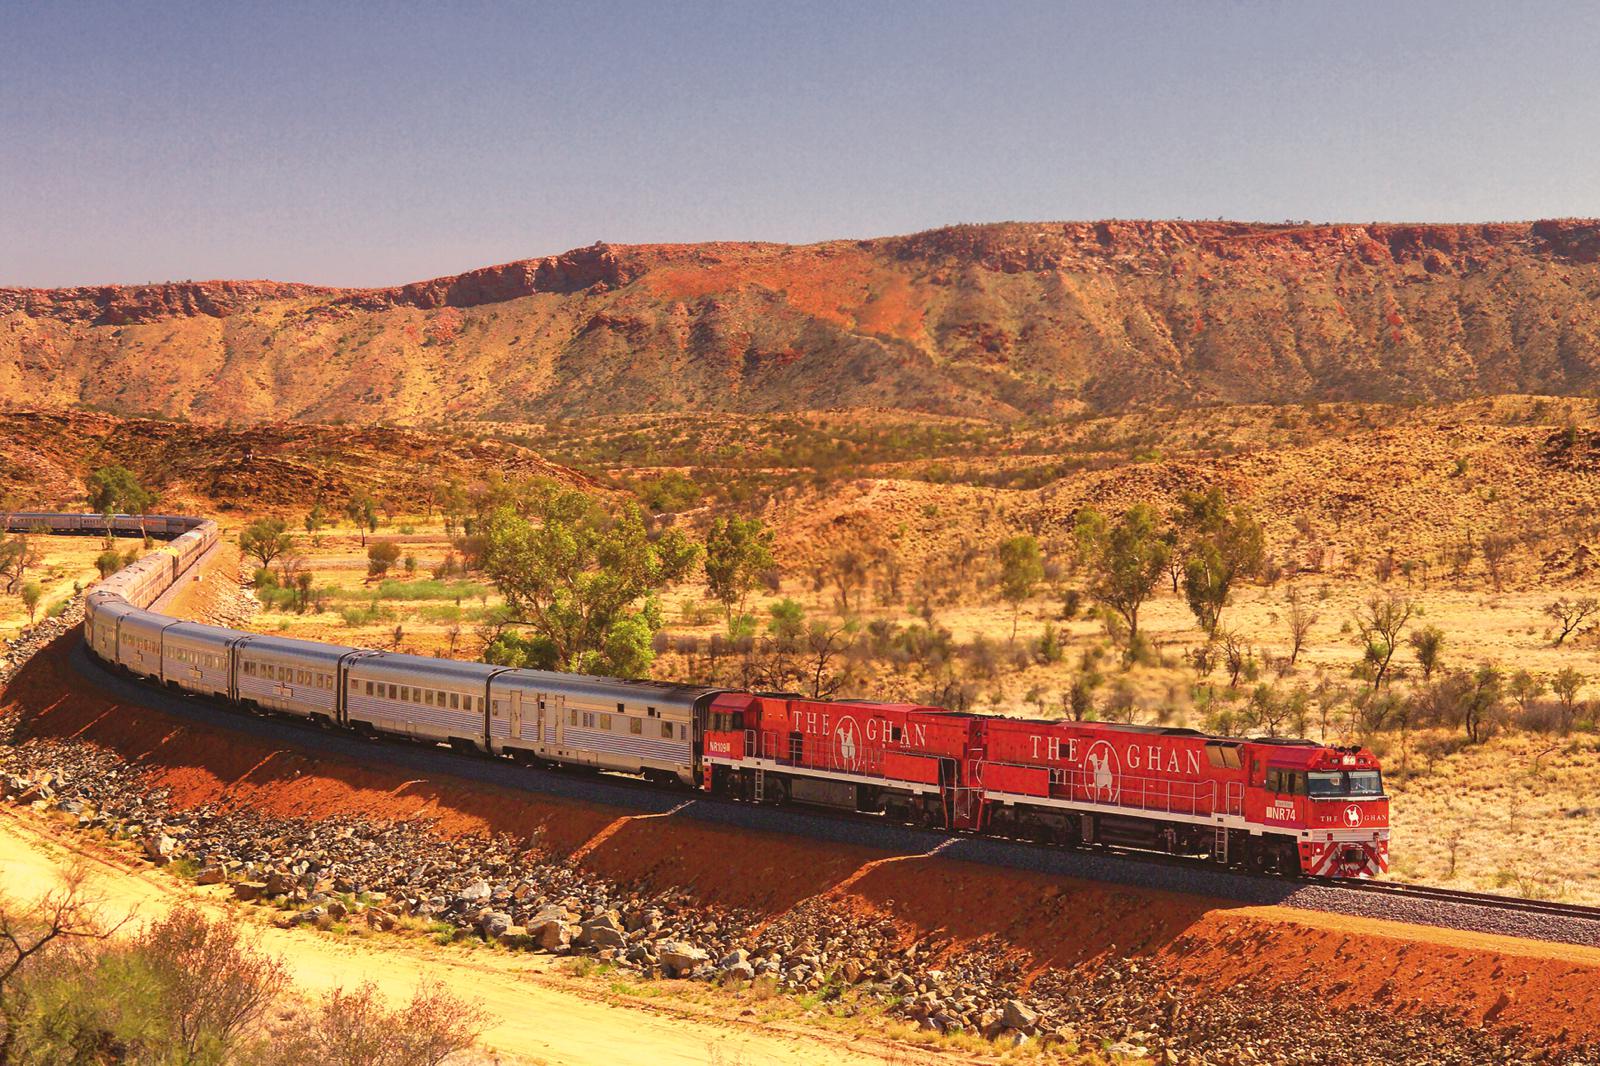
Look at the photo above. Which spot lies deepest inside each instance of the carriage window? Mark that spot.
(635, 725)
(574, 719)
(394, 692)
(651, 711)
(455, 701)
(666, 730)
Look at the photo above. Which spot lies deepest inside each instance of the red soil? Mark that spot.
(1057, 922)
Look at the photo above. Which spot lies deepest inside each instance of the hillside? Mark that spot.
(276, 468)
(998, 320)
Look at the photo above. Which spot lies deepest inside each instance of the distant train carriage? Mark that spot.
(299, 677)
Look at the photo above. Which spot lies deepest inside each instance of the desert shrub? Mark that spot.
(355, 1027)
(983, 660)
(381, 555)
(187, 990)
(264, 578)
(1048, 647)
(430, 589)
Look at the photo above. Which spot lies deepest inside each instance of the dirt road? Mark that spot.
(540, 1015)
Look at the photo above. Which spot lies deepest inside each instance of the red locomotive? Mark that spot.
(1273, 806)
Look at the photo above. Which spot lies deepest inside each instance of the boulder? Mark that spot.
(210, 875)
(603, 931)
(249, 890)
(1018, 1015)
(159, 848)
(493, 924)
(476, 892)
(679, 958)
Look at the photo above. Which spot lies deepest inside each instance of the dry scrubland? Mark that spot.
(65, 566)
(1477, 515)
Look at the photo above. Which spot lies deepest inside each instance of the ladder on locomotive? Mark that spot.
(1219, 850)
(760, 793)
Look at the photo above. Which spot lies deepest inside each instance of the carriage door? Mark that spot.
(559, 709)
(516, 714)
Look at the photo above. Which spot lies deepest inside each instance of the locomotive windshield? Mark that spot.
(1334, 784)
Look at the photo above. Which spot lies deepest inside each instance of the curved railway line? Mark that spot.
(1409, 903)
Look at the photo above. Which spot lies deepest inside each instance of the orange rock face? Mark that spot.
(998, 320)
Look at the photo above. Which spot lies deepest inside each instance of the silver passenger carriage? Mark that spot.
(637, 727)
(139, 635)
(443, 700)
(299, 677)
(199, 658)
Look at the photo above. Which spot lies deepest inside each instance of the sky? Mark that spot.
(372, 144)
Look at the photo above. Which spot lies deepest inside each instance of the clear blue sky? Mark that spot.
(364, 143)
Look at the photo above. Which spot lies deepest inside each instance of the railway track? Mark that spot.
(1402, 890)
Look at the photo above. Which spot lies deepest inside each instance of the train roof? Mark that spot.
(260, 642)
(425, 666)
(610, 685)
(202, 631)
(1160, 731)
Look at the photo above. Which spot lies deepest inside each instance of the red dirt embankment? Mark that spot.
(1203, 943)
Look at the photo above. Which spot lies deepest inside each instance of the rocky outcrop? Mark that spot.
(1006, 320)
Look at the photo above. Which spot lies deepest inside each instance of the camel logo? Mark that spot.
(1102, 762)
(847, 743)
(1352, 816)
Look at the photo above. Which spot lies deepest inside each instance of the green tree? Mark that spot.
(788, 621)
(583, 579)
(1125, 560)
(738, 551)
(670, 493)
(1021, 569)
(1225, 545)
(107, 562)
(1380, 624)
(316, 518)
(114, 490)
(1483, 692)
(362, 510)
(1428, 644)
(1566, 685)
(265, 539)
(30, 598)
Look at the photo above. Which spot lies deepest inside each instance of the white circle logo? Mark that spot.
(1352, 816)
(847, 744)
(1104, 772)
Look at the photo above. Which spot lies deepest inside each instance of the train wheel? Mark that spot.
(1260, 858)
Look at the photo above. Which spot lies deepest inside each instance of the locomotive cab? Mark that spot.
(1347, 819)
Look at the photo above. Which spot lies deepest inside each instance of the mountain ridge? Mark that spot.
(1003, 319)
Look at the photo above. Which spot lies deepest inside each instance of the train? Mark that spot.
(1273, 806)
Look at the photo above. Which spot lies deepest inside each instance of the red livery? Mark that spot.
(1274, 806)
